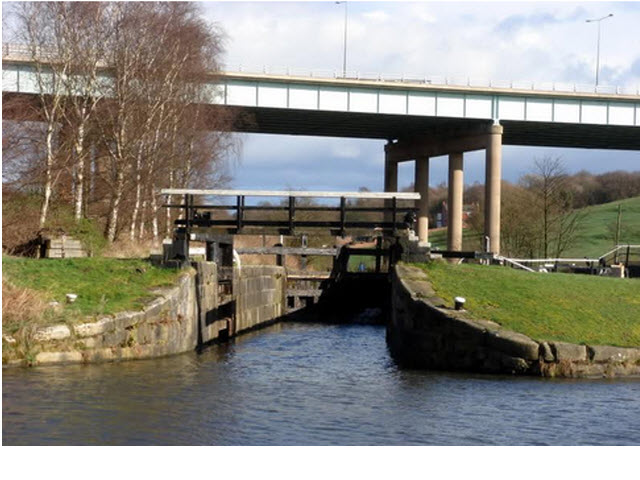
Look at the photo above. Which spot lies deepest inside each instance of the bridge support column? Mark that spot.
(454, 202)
(390, 180)
(422, 187)
(492, 188)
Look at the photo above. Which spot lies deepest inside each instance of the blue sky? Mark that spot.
(540, 41)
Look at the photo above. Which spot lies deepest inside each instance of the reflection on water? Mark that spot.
(307, 384)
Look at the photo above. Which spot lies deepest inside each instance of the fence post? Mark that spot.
(343, 215)
(394, 208)
(626, 263)
(292, 214)
(240, 212)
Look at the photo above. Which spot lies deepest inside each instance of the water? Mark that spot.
(308, 384)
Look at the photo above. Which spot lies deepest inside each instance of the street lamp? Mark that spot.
(344, 55)
(598, 51)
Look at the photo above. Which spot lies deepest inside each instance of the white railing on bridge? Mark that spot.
(12, 51)
(437, 80)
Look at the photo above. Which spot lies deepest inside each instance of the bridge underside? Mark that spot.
(381, 126)
(387, 127)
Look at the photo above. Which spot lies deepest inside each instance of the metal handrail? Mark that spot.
(518, 262)
(11, 51)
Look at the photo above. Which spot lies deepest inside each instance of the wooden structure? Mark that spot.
(200, 214)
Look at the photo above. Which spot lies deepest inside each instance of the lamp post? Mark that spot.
(598, 50)
(344, 55)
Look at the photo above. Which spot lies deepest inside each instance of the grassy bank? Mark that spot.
(563, 307)
(103, 286)
(595, 235)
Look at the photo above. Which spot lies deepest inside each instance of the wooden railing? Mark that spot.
(394, 215)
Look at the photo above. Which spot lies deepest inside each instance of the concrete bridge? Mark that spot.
(421, 118)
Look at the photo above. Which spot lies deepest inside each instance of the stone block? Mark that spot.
(591, 370)
(92, 342)
(115, 338)
(44, 358)
(512, 343)
(546, 353)
(102, 325)
(125, 320)
(55, 332)
(603, 353)
(153, 310)
(569, 352)
(514, 364)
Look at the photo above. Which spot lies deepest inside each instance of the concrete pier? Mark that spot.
(455, 193)
(493, 188)
(422, 187)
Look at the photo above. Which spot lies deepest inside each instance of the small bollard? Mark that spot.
(459, 303)
(71, 297)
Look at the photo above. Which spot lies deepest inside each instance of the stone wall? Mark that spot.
(179, 319)
(424, 333)
(165, 326)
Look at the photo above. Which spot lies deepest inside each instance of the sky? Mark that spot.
(540, 41)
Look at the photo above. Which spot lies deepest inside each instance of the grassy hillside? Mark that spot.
(565, 307)
(596, 233)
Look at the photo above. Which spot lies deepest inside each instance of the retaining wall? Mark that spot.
(178, 320)
(424, 333)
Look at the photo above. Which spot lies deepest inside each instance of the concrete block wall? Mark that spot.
(424, 333)
(260, 295)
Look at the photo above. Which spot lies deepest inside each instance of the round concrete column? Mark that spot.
(492, 188)
(455, 193)
(422, 187)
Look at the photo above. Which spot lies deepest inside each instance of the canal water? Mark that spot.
(307, 384)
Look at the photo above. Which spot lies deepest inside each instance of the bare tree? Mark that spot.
(80, 42)
(126, 107)
(552, 205)
(38, 33)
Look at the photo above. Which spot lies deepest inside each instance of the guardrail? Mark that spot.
(11, 51)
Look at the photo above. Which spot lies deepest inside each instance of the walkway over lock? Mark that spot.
(200, 214)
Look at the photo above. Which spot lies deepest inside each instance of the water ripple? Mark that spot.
(308, 384)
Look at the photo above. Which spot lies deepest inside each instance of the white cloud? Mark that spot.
(377, 16)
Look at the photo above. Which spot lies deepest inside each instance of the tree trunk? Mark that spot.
(80, 154)
(48, 183)
(136, 204)
(154, 213)
(115, 207)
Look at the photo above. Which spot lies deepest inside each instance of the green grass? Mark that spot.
(103, 285)
(564, 307)
(470, 239)
(595, 234)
